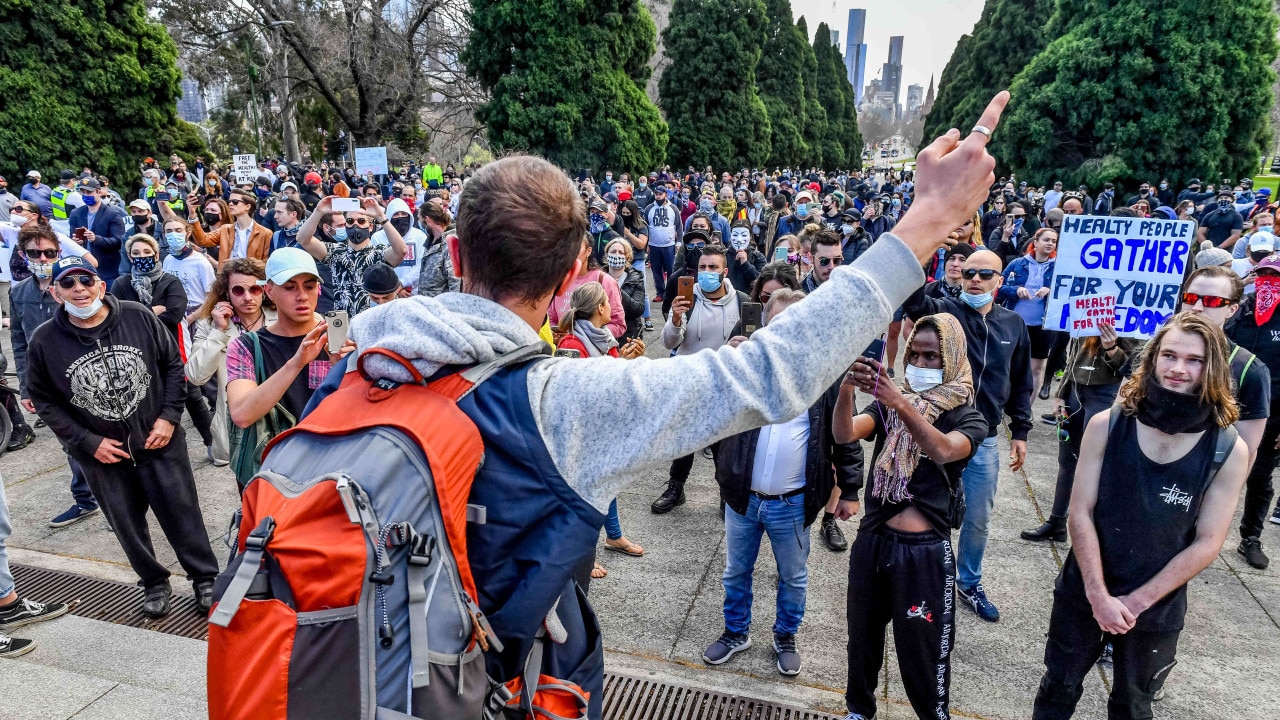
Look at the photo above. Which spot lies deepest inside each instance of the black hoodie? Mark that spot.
(110, 381)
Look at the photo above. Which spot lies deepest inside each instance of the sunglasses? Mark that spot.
(46, 254)
(361, 222)
(236, 202)
(825, 261)
(1209, 301)
(84, 279)
(696, 246)
(985, 274)
(241, 290)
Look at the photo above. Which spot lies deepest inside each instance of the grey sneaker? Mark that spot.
(784, 646)
(1251, 550)
(727, 646)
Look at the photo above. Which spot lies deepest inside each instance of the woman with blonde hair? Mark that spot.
(584, 327)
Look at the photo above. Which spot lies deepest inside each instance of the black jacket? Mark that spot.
(999, 353)
(853, 246)
(110, 381)
(29, 308)
(167, 291)
(743, 274)
(1264, 342)
(735, 457)
(632, 290)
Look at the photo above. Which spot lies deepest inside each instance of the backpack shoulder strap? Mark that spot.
(1226, 443)
(255, 344)
(1116, 412)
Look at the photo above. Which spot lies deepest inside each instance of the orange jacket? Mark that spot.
(224, 238)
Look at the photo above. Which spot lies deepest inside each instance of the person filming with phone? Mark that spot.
(279, 366)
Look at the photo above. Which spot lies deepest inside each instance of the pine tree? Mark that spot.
(1140, 89)
(567, 81)
(815, 116)
(709, 92)
(91, 84)
(778, 79)
(1008, 34)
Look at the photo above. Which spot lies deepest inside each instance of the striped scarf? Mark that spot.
(901, 453)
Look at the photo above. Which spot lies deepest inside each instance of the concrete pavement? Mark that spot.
(660, 611)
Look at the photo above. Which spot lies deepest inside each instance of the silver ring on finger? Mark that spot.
(982, 129)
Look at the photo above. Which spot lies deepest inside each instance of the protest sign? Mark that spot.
(371, 160)
(245, 167)
(1089, 311)
(1140, 262)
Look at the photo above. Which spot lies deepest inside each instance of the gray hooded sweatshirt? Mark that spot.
(707, 326)
(607, 421)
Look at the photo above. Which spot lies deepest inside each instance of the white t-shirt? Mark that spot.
(1242, 267)
(409, 269)
(196, 275)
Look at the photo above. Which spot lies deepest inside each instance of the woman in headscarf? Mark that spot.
(902, 565)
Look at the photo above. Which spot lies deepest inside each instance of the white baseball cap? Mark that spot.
(288, 262)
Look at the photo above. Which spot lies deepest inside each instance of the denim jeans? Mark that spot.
(6, 529)
(661, 261)
(613, 525)
(979, 482)
(80, 487)
(783, 520)
(639, 265)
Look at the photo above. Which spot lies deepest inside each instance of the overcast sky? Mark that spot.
(930, 28)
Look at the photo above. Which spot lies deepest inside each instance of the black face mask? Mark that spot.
(1172, 412)
(4, 189)
(1260, 255)
(355, 236)
(212, 218)
(401, 225)
(140, 220)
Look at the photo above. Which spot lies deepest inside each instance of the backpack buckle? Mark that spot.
(421, 549)
(261, 535)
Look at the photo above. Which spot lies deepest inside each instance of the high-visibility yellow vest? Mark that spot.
(58, 198)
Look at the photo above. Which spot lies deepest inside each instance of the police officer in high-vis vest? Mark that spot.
(64, 199)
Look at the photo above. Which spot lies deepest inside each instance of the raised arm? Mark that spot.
(307, 233)
(396, 249)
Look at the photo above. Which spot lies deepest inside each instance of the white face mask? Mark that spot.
(83, 313)
(922, 379)
(739, 238)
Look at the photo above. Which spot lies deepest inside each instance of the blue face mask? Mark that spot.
(802, 210)
(340, 234)
(90, 200)
(709, 281)
(143, 264)
(175, 241)
(975, 301)
(597, 223)
(706, 205)
(262, 193)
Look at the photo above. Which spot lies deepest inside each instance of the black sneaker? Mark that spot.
(1044, 390)
(72, 515)
(26, 612)
(22, 437)
(1275, 515)
(784, 646)
(671, 497)
(833, 536)
(155, 603)
(203, 590)
(1251, 549)
(13, 647)
(1049, 419)
(727, 646)
(39, 423)
(648, 325)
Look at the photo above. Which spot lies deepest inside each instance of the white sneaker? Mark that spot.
(208, 451)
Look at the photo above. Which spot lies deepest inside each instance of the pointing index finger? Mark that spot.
(990, 118)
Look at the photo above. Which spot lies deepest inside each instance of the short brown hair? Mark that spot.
(294, 204)
(714, 250)
(35, 232)
(249, 198)
(520, 228)
(1218, 272)
(825, 237)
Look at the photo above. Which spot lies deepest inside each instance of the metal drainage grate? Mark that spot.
(110, 601)
(632, 698)
(625, 697)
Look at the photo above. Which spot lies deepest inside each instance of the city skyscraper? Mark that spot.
(891, 74)
(855, 52)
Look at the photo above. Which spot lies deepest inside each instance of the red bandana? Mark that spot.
(1266, 289)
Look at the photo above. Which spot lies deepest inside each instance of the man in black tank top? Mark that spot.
(1154, 495)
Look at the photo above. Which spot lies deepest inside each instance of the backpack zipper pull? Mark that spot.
(386, 636)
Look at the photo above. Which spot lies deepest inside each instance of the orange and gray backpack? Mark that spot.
(372, 537)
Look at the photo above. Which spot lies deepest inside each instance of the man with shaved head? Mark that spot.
(1000, 354)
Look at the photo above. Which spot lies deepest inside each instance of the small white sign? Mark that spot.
(245, 167)
(371, 160)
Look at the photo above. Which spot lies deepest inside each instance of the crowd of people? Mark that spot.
(217, 294)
